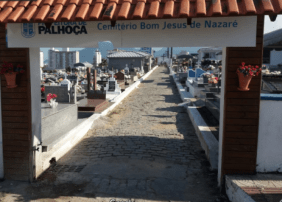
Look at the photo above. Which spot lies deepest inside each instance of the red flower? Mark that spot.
(243, 63)
(257, 73)
(251, 73)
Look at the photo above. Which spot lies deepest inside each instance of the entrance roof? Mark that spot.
(91, 10)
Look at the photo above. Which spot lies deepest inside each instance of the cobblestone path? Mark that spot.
(144, 150)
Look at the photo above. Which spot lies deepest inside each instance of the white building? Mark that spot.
(62, 59)
(41, 59)
(208, 53)
(97, 59)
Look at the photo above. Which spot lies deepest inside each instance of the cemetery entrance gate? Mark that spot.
(26, 26)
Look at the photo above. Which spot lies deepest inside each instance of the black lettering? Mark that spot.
(68, 29)
(41, 29)
(75, 30)
(47, 30)
(61, 29)
(53, 30)
(83, 29)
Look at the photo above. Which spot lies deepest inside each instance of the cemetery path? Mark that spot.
(144, 150)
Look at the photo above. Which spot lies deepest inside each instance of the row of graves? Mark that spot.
(206, 87)
(78, 98)
(204, 84)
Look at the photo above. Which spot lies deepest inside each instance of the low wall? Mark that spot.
(269, 153)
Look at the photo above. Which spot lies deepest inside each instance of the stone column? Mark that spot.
(88, 78)
(240, 121)
(95, 80)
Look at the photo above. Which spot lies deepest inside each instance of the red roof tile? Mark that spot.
(85, 10)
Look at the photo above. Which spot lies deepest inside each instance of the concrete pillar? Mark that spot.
(34, 55)
(239, 134)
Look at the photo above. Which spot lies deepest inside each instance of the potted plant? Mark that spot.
(245, 74)
(10, 73)
(51, 100)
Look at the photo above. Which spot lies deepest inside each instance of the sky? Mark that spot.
(268, 27)
(272, 26)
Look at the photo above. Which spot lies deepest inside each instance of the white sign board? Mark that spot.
(216, 31)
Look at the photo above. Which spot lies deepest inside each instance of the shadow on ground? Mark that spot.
(133, 167)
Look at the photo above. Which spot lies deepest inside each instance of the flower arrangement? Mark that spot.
(9, 68)
(249, 70)
(10, 72)
(213, 79)
(51, 100)
(50, 97)
(245, 74)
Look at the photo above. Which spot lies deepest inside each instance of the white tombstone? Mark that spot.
(66, 82)
(112, 87)
(126, 69)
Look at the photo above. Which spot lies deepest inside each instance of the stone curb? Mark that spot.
(235, 193)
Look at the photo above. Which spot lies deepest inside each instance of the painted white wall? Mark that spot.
(275, 57)
(269, 153)
(35, 105)
(221, 115)
(1, 141)
(41, 59)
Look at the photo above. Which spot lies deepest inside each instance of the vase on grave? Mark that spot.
(53, 103)
(11, 79)
(244, 81)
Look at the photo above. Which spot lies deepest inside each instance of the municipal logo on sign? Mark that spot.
(28, 30)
